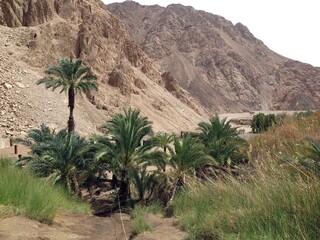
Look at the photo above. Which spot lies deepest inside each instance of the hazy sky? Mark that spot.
(290, 28)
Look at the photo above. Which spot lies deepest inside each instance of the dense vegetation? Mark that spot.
(218, 185)
(129, 150)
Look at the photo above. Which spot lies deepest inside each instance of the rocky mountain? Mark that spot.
(34, 34)
(221, 64)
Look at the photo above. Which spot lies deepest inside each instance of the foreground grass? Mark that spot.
(139, 222)
(23, 194)
(277, 205)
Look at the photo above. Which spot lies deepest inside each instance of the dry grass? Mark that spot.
(286, 142)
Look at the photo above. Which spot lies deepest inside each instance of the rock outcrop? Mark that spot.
(221, 64)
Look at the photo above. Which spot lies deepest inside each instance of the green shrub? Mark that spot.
(262, 122)
(35, 198)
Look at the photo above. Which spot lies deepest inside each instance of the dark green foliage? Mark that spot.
(57, 155)
(72, 77)
(216, 129)
(262, 122)
(128, 147)
(145, 183)
(221, 140)
(186, 155)
(39, 141)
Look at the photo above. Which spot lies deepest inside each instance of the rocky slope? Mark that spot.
(34, 34)
(222, 65)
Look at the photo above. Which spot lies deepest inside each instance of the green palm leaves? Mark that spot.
(221, 140)
(73, 78)
(128, 147)
(57, 156)
(187, 155)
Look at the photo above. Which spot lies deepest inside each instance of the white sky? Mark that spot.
(290, 28)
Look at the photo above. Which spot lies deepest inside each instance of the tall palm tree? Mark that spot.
(72, 77)
(126, 133)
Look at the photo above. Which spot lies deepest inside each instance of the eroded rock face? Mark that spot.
(17, 13)
(169, 82)
(118, 79)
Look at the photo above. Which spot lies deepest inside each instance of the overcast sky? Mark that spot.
(290, 28)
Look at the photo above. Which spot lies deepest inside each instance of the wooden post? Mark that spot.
(11, 142)
(15, 149)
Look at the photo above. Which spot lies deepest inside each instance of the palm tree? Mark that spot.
(125, 135)
(61, 161)
(187, 155)
(216, 129)
(145, 183)
(164, 140)
(221, 140)
(72, 77)
(38, 140)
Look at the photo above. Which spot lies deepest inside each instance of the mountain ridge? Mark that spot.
(221, 64)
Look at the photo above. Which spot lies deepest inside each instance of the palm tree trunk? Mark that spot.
(124, 190)
(164, 165)
(75, 185)
(114, 181)
(71, 96)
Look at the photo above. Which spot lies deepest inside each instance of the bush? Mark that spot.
(262, 122)
(35, 198)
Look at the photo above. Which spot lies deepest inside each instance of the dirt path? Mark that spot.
(66, 227)
(164, 229)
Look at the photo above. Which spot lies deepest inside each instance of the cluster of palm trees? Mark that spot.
(142, 163)
(139, 160)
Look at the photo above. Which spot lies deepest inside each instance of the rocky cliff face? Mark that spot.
(34, 34)
(222, 65)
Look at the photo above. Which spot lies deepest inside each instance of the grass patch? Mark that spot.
(268, 207)
(139, 222)
(24, 194)
(272, 204)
